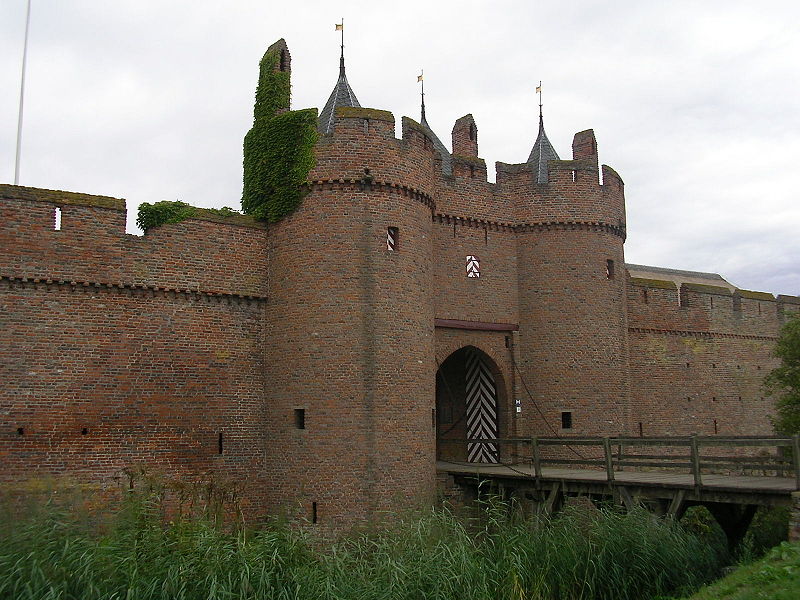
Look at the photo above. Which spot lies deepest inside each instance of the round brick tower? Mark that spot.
(573, 325)
(349, 334)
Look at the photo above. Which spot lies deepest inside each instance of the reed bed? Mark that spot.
(581, 554)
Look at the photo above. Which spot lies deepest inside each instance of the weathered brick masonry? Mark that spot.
(304, 358)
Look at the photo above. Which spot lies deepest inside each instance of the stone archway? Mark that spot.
(468, 385)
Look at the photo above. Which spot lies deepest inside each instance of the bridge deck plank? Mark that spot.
(742, 483)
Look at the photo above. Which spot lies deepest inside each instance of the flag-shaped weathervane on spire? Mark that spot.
(421, 80)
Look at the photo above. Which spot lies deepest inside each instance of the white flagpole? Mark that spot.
(22, 94)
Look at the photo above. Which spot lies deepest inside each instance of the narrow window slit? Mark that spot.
(392, 238)
(57, 219)
(300, 418)
(219, 443)
(609, 269)
(314, 512)
(566, 419)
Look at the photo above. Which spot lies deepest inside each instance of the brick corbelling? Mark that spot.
(382, 186)
(130, 288)
(617, 230)
(704, 334)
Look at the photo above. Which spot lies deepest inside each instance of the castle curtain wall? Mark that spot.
(119, 351)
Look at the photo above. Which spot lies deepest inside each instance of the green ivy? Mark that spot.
(279, 148)
(159, 213)
(153, 215)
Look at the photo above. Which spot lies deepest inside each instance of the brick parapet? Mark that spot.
(91, 246)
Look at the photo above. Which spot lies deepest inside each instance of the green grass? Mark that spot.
(582, 554)
(774, 577)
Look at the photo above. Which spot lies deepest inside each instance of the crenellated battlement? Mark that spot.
(706, 308)
(364, 138)
(51, 235)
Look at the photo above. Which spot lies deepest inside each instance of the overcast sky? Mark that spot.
(695, 104)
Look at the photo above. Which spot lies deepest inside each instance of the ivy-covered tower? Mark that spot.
(349, 327)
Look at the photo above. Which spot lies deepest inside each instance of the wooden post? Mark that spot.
(537, 461)
(698, 482)
(609, 459)
(796, 457)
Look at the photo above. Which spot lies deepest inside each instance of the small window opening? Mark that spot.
(471, 171)
(574, 176)
(313, 512)
(740, 398)
(688, 398)
(609, 269)
(84, 431)
(472, 132)
(713, 365)
(738, 366)
(687, 365)
(57, 219)
(392, 238)
(473, 266)
(715, 426)
(20, 431)
(644, 296)
(508, 341)
(712, 301)
(219, 443)
(714, 399)
(300, 418)
(759, 308)
(758, 367)
(566, 419)
(641, 430)
(283, 60)
(366, 125)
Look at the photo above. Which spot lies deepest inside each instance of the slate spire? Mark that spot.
(342, 94)
(447, 159)
(542, 150)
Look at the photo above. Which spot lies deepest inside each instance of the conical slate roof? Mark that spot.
(342, 95)
(541, 152)
(447, 160)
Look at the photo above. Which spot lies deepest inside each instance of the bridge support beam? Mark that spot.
(734, 520)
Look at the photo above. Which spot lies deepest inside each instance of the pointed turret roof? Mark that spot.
(541, 152)
(342, 95)
(447, 160)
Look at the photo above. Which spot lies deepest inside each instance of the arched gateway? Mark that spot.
(467, 407)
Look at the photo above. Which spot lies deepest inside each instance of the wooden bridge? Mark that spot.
(731, 476)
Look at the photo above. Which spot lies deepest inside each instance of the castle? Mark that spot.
(328, 359)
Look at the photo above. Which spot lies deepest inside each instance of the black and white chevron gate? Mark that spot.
(481, 408)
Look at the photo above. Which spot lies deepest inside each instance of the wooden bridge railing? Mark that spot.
(614, 453)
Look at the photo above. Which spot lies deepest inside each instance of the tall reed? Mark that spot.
(580, 554)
